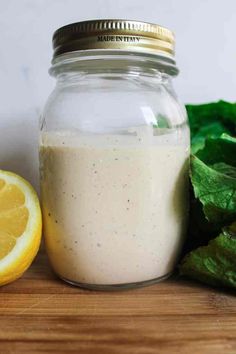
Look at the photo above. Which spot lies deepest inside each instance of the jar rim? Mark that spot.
(84, 59)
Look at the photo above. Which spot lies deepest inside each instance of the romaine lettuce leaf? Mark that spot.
(212, 130)
(210, 120)
(214, 264)
(213, 176)
(213, 201)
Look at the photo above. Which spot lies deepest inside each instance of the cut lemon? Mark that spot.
(20, 226)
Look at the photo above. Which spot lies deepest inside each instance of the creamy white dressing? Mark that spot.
(114, 206)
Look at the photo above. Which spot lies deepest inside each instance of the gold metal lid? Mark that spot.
(114, 34)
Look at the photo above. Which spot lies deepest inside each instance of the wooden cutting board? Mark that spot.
(41, 314)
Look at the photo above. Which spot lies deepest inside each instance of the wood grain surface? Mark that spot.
(41, 314)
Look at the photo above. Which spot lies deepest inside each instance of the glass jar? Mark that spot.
(114, 150)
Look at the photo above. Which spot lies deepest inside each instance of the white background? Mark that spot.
(205, 50)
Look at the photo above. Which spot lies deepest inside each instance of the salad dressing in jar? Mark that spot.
(114, 150)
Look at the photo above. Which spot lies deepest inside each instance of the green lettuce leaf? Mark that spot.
(218, 150)
(210, 120)
(213, 176)
(214, 264)
(213, 197)
(212, 130)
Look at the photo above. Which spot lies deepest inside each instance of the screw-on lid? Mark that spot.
(114, 34)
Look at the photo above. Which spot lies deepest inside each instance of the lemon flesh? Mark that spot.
(20, 226)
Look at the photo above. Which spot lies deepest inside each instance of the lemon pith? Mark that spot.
(20, 226)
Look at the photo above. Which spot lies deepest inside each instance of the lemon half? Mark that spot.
(20, 226)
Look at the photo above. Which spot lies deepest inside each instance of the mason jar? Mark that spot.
(114, 151)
